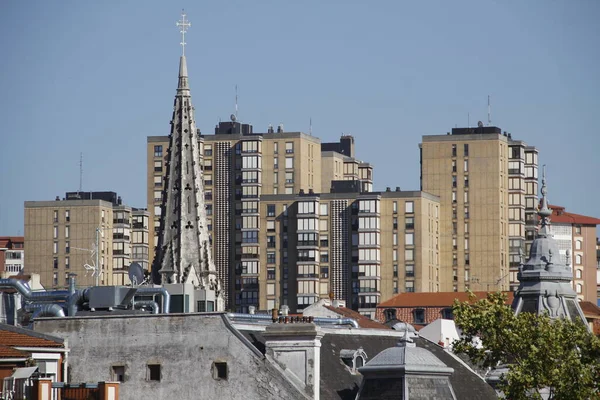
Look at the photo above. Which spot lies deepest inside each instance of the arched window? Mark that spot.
(578, 245)
(578, 259)
(579, 288)
(359, 362)
(578, 274)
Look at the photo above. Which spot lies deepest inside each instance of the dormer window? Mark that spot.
(353, 359)
(419, 315)
(447, 313)
(390, 314)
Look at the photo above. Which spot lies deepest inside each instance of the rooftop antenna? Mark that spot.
(489, 111)
(469, 120)
(236, 102)
(80, 174)
(183, 26)
(310, 127)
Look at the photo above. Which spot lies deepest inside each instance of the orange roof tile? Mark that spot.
(590, 310)
(363, 322)
(437, 299)
(560, 216)
(9, 352)
(18, 337)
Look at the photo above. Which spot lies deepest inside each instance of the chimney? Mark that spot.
(285, 310)
(388, 189)
(297, 350)
(397, 188)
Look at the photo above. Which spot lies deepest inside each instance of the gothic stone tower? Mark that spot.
(183, 254)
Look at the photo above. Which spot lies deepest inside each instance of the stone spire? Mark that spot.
(544, 280)
(183, 253)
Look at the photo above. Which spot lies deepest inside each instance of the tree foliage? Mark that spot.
(540, 352)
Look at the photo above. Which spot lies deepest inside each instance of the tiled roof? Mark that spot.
(363, 322)
(9, 352)
(590, 310)
(438, 299)
(560, 216)
(19, 337)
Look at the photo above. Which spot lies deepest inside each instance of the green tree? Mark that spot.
(540, 352)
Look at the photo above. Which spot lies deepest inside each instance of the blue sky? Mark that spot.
(99, 77)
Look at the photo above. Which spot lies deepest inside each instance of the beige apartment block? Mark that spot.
(61, 238)
(468, 170)
(359, 247)
(522, 204)
(239, 167)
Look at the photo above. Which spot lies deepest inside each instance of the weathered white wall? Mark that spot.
(184, 345)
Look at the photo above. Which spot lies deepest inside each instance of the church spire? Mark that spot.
(544, 212)
(183, 254)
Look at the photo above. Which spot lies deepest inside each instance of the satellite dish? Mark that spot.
(233, 118)
(136, 274)
(480, 124)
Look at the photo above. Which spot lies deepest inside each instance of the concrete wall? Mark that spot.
(184, 345)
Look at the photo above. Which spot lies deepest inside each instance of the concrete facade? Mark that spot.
(170, 356)
(12, 255)
(61, 237)
(468, 170)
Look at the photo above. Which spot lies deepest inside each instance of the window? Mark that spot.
(208, 150)
(55, 278)
(578, 274)
(409, 286)
(289, 162)
(419, 315)
(67, 231)
(275, 148)
(466, 166)
(55, 219)
(579, 288)
(55, 263)
(289, 147)
(323, 209)
(466, 181)
(409, 239)
(453, 165)
(55, 248)
(447, 313)
(410, 270)
(453, 150)
(289, 177)
(67, 265)
(454, 181)
(466, 150)
(118, 373)
(578, 259)
(409, 207)
(157, 181)
(67, 215)
(578, 245)
(271, 226)
(158, 166)
(275, 163)
(153, 372)
(466, 197)
(158, 151)
(409, 255)
(409, 223)
(270, 210)
(395, 207)
(578, 229)
(55, 232)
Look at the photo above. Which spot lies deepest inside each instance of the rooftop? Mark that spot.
(439, 299)
(363, 322)
(19, 337)
(560, 216)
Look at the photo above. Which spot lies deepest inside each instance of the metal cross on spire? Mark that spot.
(183, 25)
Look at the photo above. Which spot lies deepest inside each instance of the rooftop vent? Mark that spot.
(270, 129)
(388, 189)
(280, 128)
(398, 189)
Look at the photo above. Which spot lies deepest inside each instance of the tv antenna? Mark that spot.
(236, 102)
(310, 127)
(80, 174)
(489, 111)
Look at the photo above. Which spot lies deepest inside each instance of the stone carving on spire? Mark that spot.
(183, 251)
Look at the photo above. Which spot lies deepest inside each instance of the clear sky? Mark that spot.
(98, 77)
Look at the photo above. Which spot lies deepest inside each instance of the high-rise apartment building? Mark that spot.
(358, 246)
(239, 167)
(522, 204)
(61, 236)
(576, 234)
(468, 170)
(12, 252)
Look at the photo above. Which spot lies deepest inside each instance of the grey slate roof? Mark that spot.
(338, 383)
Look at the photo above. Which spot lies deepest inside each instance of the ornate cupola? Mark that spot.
(545, 280)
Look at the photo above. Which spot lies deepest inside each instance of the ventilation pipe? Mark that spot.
(45, 310)
(151, 291)
(29, 295)
(147, 303)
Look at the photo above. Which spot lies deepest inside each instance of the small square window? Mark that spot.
(118, 373)
(219, 370)
(153, 372)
